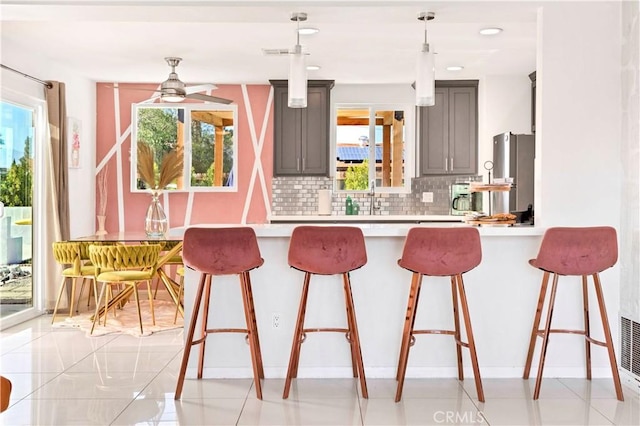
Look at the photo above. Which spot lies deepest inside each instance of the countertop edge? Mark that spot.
(283, 230)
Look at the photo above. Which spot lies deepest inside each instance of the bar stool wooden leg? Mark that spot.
(545, 336)
(607, 337)
(536, 324)
(255, 324)
(587, 330)
(355, 336)
(251, 334)
(205, 321)
(298, 337)
(410, 318)
(470, 340)
(354, 361)
(189, 338)
(456, 322)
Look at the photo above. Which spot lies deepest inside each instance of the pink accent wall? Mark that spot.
(209, 207)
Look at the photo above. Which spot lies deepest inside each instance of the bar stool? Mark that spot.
(440, 252)
(327, 250)
(579, 252)
(221, 251)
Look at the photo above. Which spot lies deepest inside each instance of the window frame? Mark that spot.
(187, 137)
(409, 144)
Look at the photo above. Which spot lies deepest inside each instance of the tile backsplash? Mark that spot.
(298, 196)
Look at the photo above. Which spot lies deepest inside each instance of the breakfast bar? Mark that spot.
(502, 294)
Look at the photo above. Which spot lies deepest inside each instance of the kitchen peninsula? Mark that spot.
(502, 293)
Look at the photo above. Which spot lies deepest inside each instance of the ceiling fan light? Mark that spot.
(490, 31)
(308, 31)
(171, 97)
(425, 78)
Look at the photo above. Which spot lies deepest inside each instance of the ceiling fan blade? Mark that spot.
(208, 98)
(200, 88)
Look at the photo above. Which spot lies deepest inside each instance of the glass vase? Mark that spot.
(155, 223)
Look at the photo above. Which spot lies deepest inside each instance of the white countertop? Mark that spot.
(364, 218)
(275, 230)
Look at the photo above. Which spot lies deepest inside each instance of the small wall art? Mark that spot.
(74, 141)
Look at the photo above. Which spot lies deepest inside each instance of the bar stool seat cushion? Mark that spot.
(441, 251)
(577, 251)
(327, 250)
(233, 251)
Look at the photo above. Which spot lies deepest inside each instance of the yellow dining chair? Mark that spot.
(129, 265)
(68, 253)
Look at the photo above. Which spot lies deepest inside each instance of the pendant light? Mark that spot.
(426, 72)
(297, 69)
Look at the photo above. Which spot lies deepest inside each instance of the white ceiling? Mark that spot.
(221, 41)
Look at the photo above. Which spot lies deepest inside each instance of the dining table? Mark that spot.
(173, 241)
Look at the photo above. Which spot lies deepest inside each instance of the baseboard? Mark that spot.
(390, 372)
(630, 381)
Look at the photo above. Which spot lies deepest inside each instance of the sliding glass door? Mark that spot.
(18, 144)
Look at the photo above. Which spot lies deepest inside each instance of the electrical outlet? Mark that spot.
(275, 321)
(427, 197)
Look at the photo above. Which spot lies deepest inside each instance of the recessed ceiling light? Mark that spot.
(490, 31)
(455, 68)
(313, 67)
(307, 30)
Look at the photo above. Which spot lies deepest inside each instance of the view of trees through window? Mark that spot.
(205, 136)
(370, 146)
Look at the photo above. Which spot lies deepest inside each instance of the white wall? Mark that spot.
(630, 238)
(81, 104)
(578, 131)
(504, 105)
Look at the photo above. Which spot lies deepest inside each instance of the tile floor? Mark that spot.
(61, 377)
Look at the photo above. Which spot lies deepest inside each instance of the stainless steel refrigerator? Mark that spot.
(513, 157)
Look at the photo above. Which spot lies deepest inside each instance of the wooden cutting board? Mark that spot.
(491, 222)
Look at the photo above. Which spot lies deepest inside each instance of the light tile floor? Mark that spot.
(61, 377)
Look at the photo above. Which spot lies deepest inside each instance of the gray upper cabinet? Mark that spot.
(448, 131)
(301, 135)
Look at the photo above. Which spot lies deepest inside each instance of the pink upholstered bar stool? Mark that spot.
(440, 252)
(214, 252)
(580, 252)
(327, 250)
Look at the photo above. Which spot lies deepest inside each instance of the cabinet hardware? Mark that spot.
(446, 165)
(451, 162)
(303, 164)
(298, 164)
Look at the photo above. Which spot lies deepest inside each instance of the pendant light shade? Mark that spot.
(297, 70)
(297, 79)
(426, 78)
(426, 69)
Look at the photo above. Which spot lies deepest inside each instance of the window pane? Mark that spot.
(352, 149)
(389, 147)
(16, 194)
(212, 148)
(162, 129)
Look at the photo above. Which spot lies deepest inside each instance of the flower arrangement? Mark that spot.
(170, 167)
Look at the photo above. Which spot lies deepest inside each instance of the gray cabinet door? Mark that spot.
(463, 140)
(434, 135)
(448, 134)
(301, 135)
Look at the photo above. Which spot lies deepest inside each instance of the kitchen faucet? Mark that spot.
(372, 197)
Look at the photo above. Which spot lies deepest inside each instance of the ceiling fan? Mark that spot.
(174, 90)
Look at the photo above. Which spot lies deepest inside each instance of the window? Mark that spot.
(205, 135)
(371, 148)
